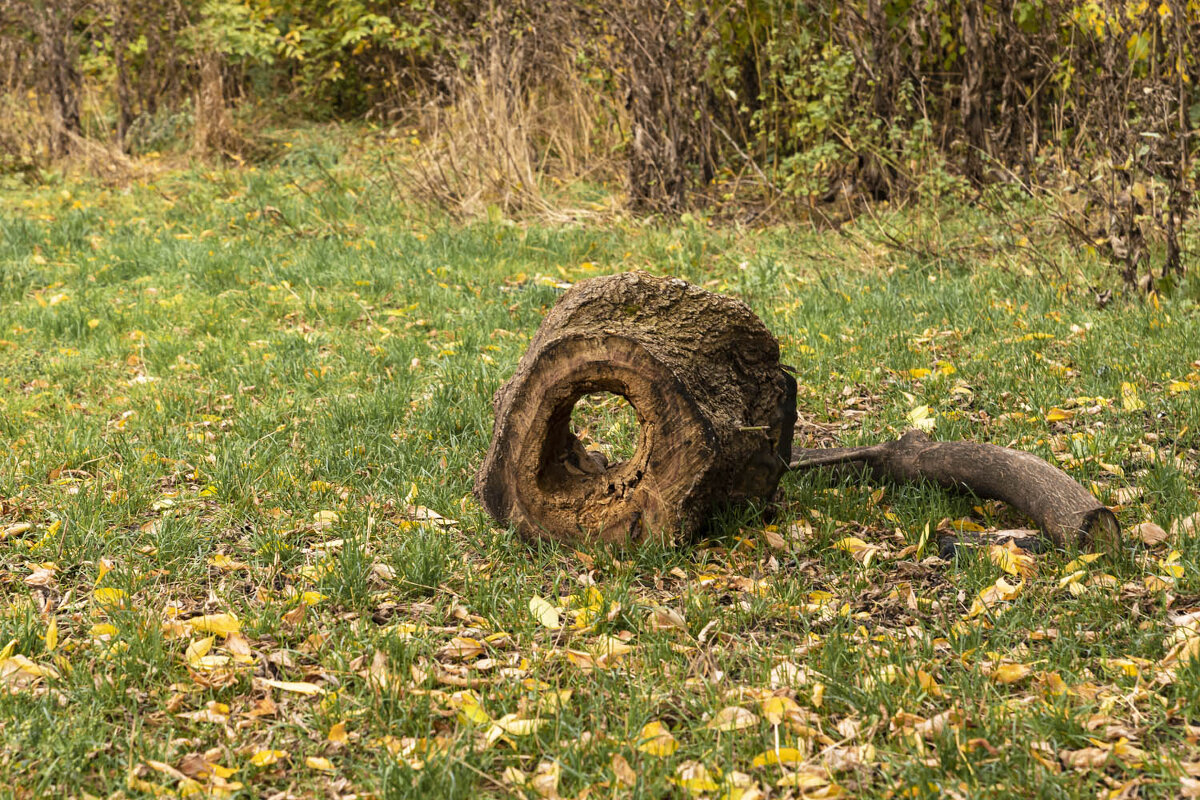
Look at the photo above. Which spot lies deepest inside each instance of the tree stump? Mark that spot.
(714, 407)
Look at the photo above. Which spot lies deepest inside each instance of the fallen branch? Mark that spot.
(1060, 506)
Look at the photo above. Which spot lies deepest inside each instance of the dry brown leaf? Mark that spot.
(662, 618)
(624, 773)
(1186, 526)
(1148, 533)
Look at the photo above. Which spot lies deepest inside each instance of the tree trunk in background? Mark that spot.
(120, 38)
(972, 103)
(53, 26)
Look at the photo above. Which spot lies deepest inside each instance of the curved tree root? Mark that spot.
(1060, 506)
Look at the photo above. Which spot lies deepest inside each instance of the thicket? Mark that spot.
(760, 108)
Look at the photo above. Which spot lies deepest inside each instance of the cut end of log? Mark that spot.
(715, 413)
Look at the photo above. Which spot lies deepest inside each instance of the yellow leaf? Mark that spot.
(1010, 673)
(544, 612)
(732, 718)
(1080, 563)
(1058, 415)
(514, 725)
(224, 562)
(928, 684)
(110, 597)
(52, 635)
(198, 650)
(265, 758)
(469, 709)
(337, 733)
(807, 780)
(1051, 683)
(1175, 387)
(554, 701)
(220, 624)
(922, 419)
(1129, 398)
(1012, 559)
(782, 755)
(295, 687)
(818, 694)
(316, 762)
(918, 373)
(999, 592)
(694, 778)
(851, 544)
(655, 739)
(777, 708)
(860, 550)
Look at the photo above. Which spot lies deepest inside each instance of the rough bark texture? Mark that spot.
(715, 412)
(1054, 500)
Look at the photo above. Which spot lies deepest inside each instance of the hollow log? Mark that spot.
(1060, 506)
(715, 413)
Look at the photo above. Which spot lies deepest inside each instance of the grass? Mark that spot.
(236, 393)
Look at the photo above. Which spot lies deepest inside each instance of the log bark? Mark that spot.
(1060, 506)
(714, 407)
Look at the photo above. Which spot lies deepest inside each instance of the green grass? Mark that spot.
(194, 372)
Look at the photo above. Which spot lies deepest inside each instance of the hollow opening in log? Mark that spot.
(605, 423)
(571, 467)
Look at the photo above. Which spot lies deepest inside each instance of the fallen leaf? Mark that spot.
(662, 618)
(545, 779)
(732, 718)
(922, 419)
(655, 739)
(777, 708)
(623, 772)
(780, 755)
(220, 624)
(1012, 559)
(1058, 415)
(265, 758)
(544, 612)
(862, 552)
(108, 596)
(1186, 526)
(469, 708)
(295, 687)
(515, 725)
(318, 763)
(1129, 398)
(1148, 533)
(990, 598)
(1008, 673)
(694, 777)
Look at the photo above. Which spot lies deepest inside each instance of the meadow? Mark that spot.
(241, 408)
